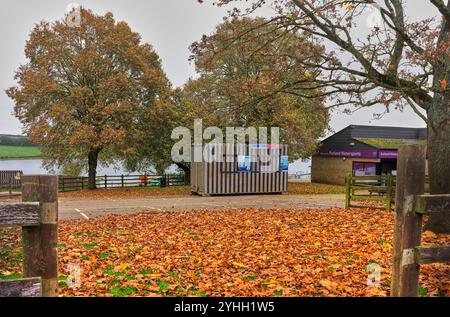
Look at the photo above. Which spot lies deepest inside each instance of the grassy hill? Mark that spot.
(17, 146)
(9, 151)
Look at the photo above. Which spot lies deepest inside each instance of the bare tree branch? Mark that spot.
(443, 9)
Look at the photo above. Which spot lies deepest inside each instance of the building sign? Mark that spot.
(351, 153)
(388, 154)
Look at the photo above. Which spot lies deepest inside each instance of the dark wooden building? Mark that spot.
(361, 150)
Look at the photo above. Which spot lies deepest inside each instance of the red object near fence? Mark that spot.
(144, 179)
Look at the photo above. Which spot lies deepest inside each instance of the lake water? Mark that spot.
(35, 167)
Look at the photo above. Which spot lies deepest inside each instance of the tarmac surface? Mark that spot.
(87, 209)
(90, 208)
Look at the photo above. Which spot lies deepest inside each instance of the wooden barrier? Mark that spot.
(10, 180)
(27, 287)
(39, 222)
(75, 183)
(411, 205)
(379, 184)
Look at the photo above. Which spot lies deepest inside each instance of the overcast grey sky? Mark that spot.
(169, 25)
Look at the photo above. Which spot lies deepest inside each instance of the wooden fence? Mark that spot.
(38, 217)
(364, 187)
(411, 204)
(10, 180)
(67, 183)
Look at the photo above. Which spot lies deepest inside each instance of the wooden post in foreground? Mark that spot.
(408, 224)
(40, 242)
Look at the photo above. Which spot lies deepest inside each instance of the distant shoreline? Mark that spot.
(19, 158)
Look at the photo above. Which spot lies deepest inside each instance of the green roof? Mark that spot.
(388, 143)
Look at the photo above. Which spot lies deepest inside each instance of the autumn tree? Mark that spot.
(153, 152)
(89, 93)
(399, 62)
(241, 82)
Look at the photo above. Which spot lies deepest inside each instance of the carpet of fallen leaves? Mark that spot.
(376, 203)
(246, 252)
(143, 192)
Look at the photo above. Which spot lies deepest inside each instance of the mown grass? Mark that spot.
(8, 151)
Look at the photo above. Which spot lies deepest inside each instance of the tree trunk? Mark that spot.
(439, 138)
(438, 160)
(186, 167)
(92, 165)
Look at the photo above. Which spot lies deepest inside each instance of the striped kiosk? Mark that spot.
(242, 169)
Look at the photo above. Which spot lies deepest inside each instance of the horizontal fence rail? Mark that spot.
(10, 181)
(428, 204)
(68, 183)
(434, 254)
(363, 188)
(27, 287)
(299, 176)
(372, 188)
(23, 214)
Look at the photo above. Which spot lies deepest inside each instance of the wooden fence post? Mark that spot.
(390, 186)
(123, 181)
(348, 180)
(408, 224)
(40, 242)
(106, 181)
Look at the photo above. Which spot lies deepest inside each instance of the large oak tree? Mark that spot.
(241, 83)
(399, 62)
(89, 93)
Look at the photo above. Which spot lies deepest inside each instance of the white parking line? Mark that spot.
(81, 213)
(154, 208)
